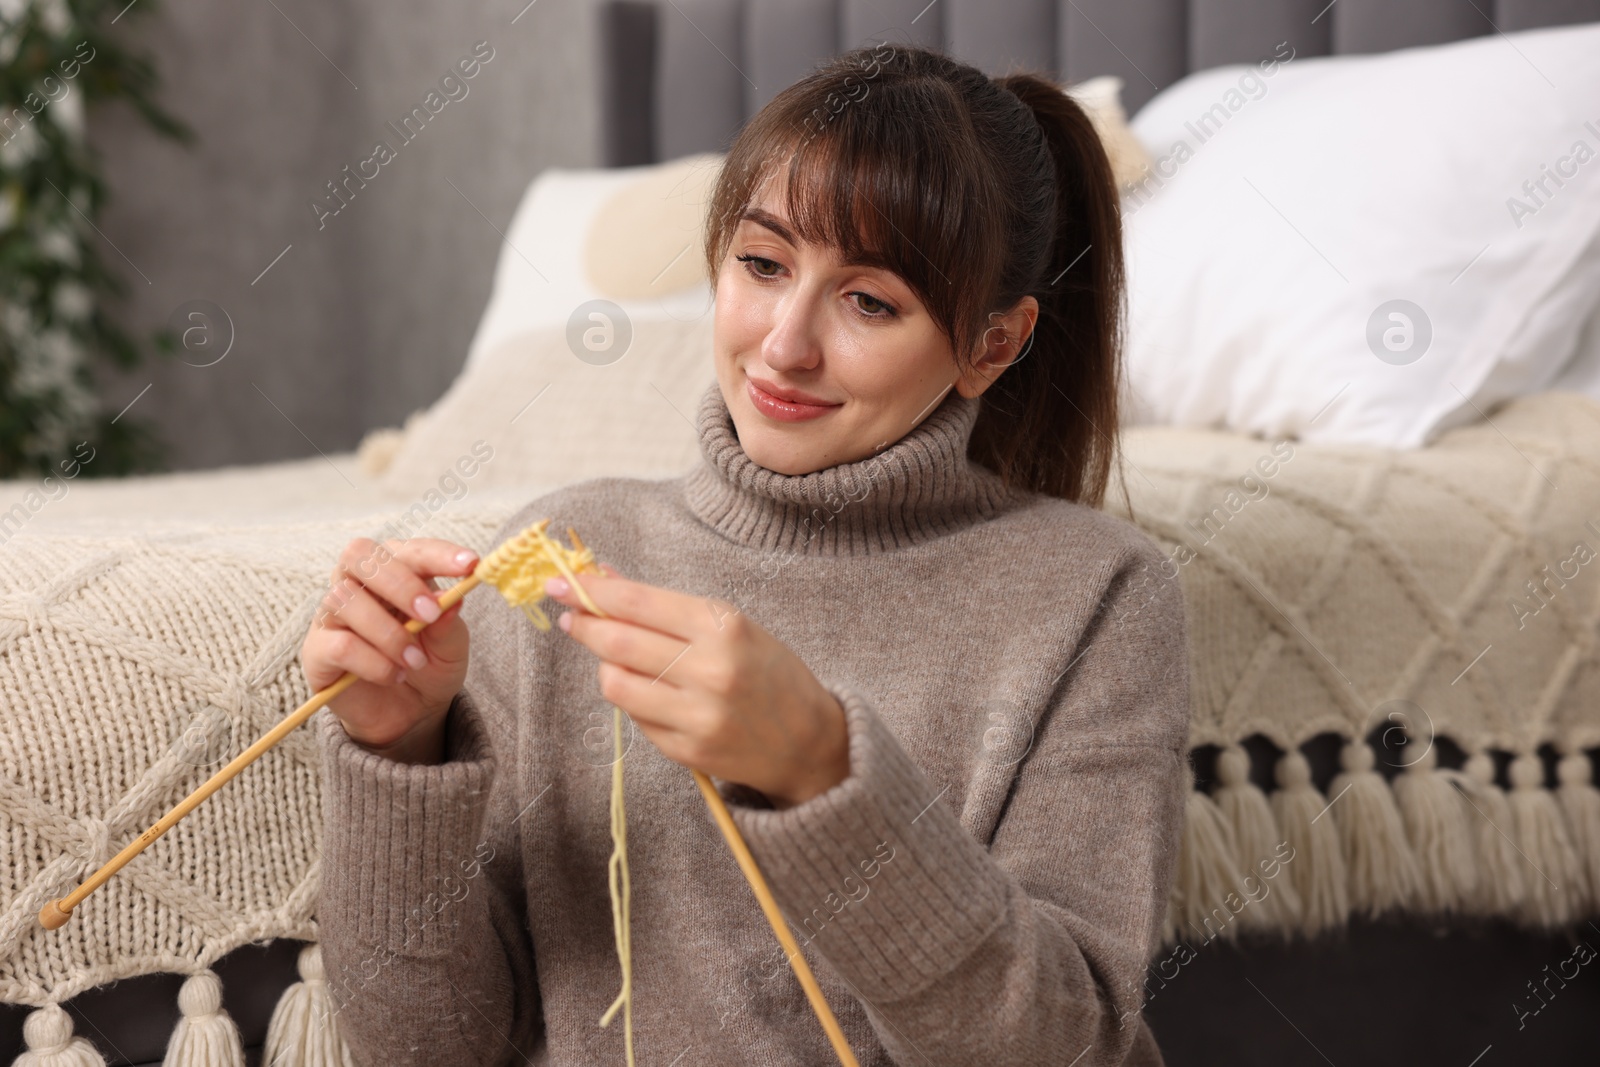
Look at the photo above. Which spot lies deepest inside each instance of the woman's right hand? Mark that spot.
(406, 681)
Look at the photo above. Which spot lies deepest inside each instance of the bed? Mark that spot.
(1394, 664)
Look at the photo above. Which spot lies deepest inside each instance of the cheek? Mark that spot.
(743, 312)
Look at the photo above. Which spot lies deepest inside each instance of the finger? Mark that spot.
(663, 712)
(446, 641)
(341, 589)
(651, 653)
(435, 556)
(372, 622)
(344, 650)
(665, 610)
(395, 572)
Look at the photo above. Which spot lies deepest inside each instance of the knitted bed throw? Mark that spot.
(131, 669)
(1428, 619)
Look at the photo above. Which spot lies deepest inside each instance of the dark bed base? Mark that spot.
(1385, 993)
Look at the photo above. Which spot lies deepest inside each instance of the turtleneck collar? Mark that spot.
(922, 486)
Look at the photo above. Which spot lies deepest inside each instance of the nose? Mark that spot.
(792, 341)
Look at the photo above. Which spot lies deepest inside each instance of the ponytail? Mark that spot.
(1050, 420)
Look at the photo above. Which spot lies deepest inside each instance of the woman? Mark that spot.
(945, 695)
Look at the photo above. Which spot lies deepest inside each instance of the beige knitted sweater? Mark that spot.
(985, 887)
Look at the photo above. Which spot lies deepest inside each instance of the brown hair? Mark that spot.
(908, 159)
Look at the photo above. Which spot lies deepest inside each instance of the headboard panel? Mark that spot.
(681, 76)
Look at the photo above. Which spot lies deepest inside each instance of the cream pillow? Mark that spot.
(1101, 98)
(647, 239)
(553, 418)
(540, 276)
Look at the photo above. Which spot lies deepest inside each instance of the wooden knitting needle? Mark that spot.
(56, 913)
(506, 563)
(758, 884)
(752, 874)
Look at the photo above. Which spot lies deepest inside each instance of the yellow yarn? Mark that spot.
(518, 569)
(619, 904)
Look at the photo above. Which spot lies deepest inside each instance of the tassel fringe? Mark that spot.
(1206, 874)
(1501, 885)
(48, 1035)
(302, 1031)
(1432, 841)
(1318, 870)
(1581, 802)
(1256, 839)
(1553, 897)
(1382, 868)
(206, 1035)
(1441, 838)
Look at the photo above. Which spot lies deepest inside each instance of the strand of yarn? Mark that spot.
(1382, 870)
(1318, 870)
(206, 1035)
(1581, 801)
(1552, 898)
(517, 571)
(1436, 816)
(1206, 872)
(302, 1031)
(48, 1035)
(619, 900)
(1501, 885)
(1256, 839)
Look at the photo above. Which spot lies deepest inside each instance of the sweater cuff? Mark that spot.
(403, 837)
(878, 870)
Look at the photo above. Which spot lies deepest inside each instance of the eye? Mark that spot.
(749, 261)
(873, 302)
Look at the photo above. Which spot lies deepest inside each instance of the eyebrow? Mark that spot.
(762, 217)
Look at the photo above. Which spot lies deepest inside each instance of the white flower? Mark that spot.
(18, 143)
(59, 245)
(55, 16)
(68, 113)
(73, 300)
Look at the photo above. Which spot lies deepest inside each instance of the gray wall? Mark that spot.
(369, 317)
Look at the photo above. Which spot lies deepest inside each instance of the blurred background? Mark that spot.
(348, 322)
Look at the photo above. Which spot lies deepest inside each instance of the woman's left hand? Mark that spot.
(709, 687)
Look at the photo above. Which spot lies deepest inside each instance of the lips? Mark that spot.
(775, 407)
(793, 396)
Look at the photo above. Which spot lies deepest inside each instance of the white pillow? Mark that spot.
(540, 278)
(1582, 372)
(1270, 241)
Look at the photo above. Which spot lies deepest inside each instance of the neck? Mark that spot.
(922, 486)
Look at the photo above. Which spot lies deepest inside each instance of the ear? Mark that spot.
(1006, 340)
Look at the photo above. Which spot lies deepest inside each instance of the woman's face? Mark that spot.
(793, 319)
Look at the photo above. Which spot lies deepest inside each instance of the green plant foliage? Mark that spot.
(58, 57)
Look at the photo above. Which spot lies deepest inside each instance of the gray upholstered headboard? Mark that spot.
(681, 76)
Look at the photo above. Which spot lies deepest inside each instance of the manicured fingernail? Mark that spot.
(464, 558)
(415, 656)
(556, 586)
(425, 607)
(565, 621)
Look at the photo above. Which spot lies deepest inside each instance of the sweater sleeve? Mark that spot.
(422, 914)
(1032, 950)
